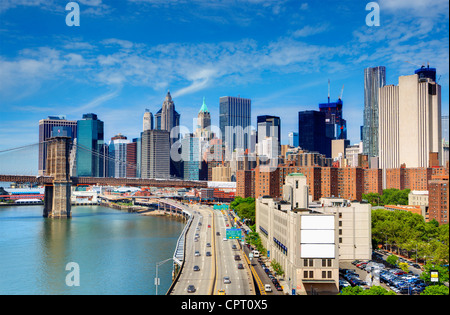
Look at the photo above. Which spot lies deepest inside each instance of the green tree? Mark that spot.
(375, 290)
(435, 290)
(392, 259)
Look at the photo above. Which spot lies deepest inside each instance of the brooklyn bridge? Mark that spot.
(58, 182)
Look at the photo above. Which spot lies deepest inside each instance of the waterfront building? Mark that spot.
(91, 161)
(155, 154)
(118, 155)
(46, 127)
(374, 79)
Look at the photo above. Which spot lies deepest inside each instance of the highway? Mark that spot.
(209, 278)
(227, 266)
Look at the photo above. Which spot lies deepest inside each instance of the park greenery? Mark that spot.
(389, 197)
(408, 234)
(374, 290)
(245, 209)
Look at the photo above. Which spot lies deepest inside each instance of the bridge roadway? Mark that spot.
(107, 181)
(212, 269)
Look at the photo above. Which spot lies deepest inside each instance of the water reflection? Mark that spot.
(116, 251)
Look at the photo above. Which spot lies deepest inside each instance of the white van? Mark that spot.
(256, 254)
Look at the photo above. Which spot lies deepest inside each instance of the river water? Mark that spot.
(115, 252)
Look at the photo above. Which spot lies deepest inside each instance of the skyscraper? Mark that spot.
(191, 155)
(235, 122)
(148, 121)
(118, 154)
(45, 132)
(335, 124)
(167, 117)
(374, 79)
(204, 116)
(90, 142)
(312, 134)
(269, 137)
(293, 139)
(155, 154)
(410, 122)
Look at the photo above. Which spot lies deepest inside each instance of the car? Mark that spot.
(191, 288)
(278, 287)
(234, 246)
(218, 233)
(197, 253)
(226, 280)
(267, 288)
(237, 257)
(196, 268)
(208, 244)
(240, 266)
(221, 292)
(209, 225)
(208, 254)
(225, 239)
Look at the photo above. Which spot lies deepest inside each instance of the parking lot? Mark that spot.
(377, 272)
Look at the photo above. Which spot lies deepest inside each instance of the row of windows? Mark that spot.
(310, 262)
(309, 274)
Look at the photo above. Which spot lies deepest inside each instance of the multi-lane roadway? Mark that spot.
(213, 265)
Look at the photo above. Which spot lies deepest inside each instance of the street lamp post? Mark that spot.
(156, 278)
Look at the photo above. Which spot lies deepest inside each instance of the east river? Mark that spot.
(114, 252)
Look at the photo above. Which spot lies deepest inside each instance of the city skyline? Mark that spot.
(275, 53)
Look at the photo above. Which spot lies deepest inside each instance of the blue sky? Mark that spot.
(280, 53)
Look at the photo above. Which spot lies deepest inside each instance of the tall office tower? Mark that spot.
(90, 142)
(235, 122)
(167, 117)
(132, 159)
(204, 116)
(374, 79)
(118, 154)
(410, 122)
(293, 139)
(155, 154)
(191, 155)
(148, 121)
(445, 130)
(269, 127)
(312, 132)
(335, 124)
(45, 132)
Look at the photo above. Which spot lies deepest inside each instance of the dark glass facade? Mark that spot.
(312, 132)
(90, 142)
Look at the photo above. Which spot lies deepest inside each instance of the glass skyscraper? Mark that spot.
(235, 122)
(312, 132)
(91, 159)
(191, 156)
(374, 79)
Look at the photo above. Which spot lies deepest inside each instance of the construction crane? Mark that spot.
(342, 92)
(415, 64)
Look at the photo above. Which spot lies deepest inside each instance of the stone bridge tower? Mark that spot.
(57, 203)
